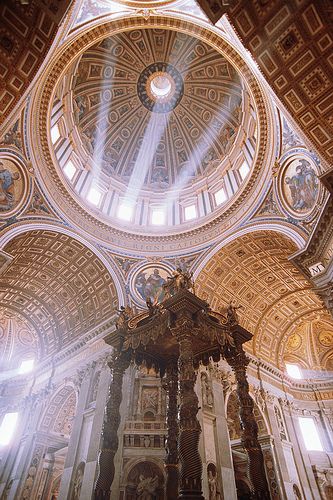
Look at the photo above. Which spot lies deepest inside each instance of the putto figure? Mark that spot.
(153, 307)
(125, 314)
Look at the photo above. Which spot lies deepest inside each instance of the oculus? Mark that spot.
(160, 87)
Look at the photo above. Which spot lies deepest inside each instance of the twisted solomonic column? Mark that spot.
(190, 460)
(238, 362)
(118, 365)
(171, 444)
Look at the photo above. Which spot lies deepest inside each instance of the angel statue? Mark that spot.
(125, 314)
(179, 280)
(232, 316)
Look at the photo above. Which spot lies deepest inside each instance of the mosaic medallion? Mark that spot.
(148, 281)
(326, 339)
(294, 341)
(12, 186)
(160, 87)
(300, 185)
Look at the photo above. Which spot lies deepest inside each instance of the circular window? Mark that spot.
(160, 86)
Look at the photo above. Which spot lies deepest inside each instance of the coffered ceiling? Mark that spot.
(58, 286)
(254, 271)
(292, 43)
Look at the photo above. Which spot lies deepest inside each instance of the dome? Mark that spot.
(162, 130)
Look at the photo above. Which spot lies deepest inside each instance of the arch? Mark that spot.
(254, 269)
(280, 421)
(58, 414)
(22, 227)
(285, 229)
(149, 416)
(49, 278)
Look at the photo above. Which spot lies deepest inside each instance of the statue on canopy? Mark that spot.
(153, 307)
(180, 280)
(232, 316)
(125, 314)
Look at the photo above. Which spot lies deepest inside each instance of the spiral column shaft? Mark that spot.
(190, 460)
(110, 440)
(171, 461)
(249, 438)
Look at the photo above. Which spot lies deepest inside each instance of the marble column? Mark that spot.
(95, 435)
(307, 480)
(171, 460)
(189, 427)
(286, 485)
(249, 439)
(110, 441)
(225, 467)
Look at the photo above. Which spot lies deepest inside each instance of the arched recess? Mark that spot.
(254, 271)
(308, 342)
(18, 341)
(239, 457)
(141, 473)
(51, 444)
(58, 416)
(58, 283)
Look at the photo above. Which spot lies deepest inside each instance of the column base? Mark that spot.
(190, 495)
(101, 495)
(172, 481)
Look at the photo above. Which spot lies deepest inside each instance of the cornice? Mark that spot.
(319, 239)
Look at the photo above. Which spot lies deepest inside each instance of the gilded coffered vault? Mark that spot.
(255, 272)
(58, 286)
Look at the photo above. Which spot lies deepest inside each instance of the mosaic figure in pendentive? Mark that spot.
(302, 183)
(10, 189)
(150, 284)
